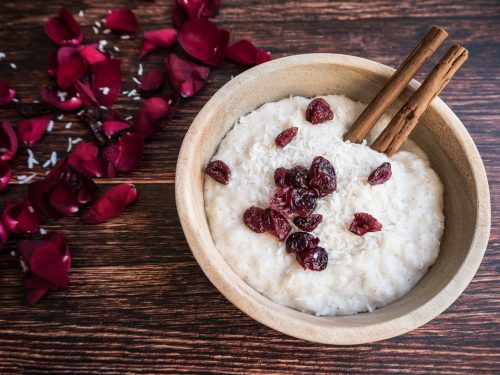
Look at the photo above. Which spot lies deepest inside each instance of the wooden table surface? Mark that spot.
(138, 302)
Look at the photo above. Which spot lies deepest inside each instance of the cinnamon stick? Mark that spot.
(400, 79)
(405, 120)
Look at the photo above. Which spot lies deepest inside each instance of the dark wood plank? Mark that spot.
(138, 302)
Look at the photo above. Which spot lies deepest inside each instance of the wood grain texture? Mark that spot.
(138, 302)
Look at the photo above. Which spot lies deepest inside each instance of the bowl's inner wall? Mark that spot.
(438, 141)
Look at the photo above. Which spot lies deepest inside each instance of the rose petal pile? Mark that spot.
(88, 79)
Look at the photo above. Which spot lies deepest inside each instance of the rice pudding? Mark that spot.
(363, 272)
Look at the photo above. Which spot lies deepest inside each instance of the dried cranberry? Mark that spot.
(297, 177)
(364, 223)
(309, 223)
(280, 175)
(282, 201)
(256, 219)
(322, 177)
(219, 171)
(381, 174)
(315, 259)
(279, 225)
(319, 111)
(304, 201)
(300, 242)
(286, 136)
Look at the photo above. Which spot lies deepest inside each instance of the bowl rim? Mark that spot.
(288, 320)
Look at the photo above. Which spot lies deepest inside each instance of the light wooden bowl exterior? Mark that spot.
(440, 133)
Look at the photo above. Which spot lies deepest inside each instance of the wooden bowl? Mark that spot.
(440, 133)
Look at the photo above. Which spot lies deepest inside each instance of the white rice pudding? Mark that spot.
(363, 273)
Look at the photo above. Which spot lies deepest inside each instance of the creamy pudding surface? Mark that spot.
(363, 273)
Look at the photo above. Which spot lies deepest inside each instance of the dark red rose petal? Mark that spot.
(162, 38)
(70, 102)
(47, 262)
(122, 20)
(319, 111)
(203, 40)
(52, 65)
(7, 93)
(99, 168)
(286, 136)
(39, 194)
(91, 54)
(255, 218)
(182, 10)
(186, 77)
(364, 223)
(86, 94)
(309, 223)
(4, 234)
(127, 153)
(64, 30)
(262, 56)
(279, 225)
(219, 171)
(70, 66)
(33, 289)
(151, 81)
(21, 217)
(322, 177)
(63, 200)
(381, 174)
(112, 128)
(243, 52)
(111, 204)
(8, 141)
(315, 259)
(5, 174)
(152, 113)
(107, 81)
(31, 130)
(83, 152)
(300, 242)
(218, 56)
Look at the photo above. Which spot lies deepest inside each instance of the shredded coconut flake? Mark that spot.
(136, 80)
(76, 140)
(53, 157)
(62, 95)
(70, 145)
(81, 13)
(2, 55)
(96, 31)
(140, 70)
(125, 37)
(68, 125)
(97, 23)
(105, 90)
(13, 66)
(60, 117)
(26, 179)
(116, 48)
(50, 126)
(43, 231)
(47, 163)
